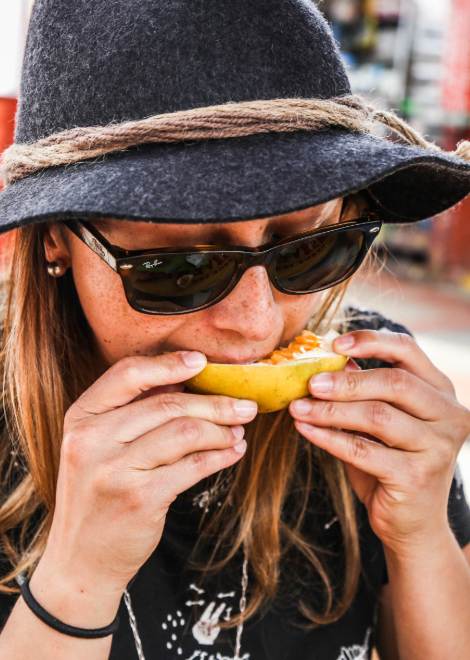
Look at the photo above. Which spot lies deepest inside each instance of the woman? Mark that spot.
(334, 527)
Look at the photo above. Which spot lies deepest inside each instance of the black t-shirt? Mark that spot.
(168, 614)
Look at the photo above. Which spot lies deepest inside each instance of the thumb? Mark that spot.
(363, 484)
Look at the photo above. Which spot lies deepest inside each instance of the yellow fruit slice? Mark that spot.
(276, 380)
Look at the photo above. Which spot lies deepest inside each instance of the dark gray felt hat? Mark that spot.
(95, 62)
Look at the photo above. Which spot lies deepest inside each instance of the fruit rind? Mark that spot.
(272, 386)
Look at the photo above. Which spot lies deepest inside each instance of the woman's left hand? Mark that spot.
(398, 430)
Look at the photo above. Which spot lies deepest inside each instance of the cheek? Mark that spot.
(118, 329)
(100, 292)
(297, 311)
(302, 306)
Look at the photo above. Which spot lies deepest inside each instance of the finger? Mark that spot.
(130, 377)
(140, 417)
(177, 477)
(364, 454)
(178, 438)
(398, 386)
(352, 365)
(376, 418)
(161, 389)
(397, 348)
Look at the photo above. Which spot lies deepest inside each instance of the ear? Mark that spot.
(56, 246)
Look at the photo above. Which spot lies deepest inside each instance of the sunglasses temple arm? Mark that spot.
(94, 244)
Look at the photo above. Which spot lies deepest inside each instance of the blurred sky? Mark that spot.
(13, 20)
(435, 9)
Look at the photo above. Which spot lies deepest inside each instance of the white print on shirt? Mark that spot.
(458, 483)
(205, 630)
(205, 498)
(356, 651)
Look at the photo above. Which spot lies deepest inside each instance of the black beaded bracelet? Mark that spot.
(55, 623)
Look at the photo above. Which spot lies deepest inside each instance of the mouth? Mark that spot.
(233, 360)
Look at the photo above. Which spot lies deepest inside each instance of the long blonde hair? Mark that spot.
(46, 362)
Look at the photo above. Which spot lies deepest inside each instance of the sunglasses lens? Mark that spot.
(318, 262)
(179, 282)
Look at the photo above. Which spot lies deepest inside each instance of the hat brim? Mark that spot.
(241, 178)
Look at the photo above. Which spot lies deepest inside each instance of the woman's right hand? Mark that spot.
(124, 461)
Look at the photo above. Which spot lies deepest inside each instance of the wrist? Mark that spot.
(73, 600)
(418, 547)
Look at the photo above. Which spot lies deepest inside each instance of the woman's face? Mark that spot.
(246, 325)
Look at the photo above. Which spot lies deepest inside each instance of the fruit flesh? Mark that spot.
(276, 380)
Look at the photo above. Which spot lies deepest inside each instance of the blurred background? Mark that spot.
(412, 56)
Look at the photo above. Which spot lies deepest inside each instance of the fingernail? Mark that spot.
(238, 432)
(193, 359)
(345, 342)
(322, 383)
(240, 447)
(245, 407)
(302, 407)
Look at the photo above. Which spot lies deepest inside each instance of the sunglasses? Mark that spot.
(169, 281)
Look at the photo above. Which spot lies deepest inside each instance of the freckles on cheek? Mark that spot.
(298, 310)
(101, 294)
(102, 299)
(118, 329)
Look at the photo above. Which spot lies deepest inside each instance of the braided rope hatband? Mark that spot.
(218, 121)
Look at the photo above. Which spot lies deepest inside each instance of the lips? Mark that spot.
(227, 359)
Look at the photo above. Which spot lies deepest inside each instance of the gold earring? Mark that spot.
(56, 269)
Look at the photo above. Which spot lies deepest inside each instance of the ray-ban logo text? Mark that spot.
(152, 264)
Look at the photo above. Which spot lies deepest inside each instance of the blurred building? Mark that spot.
(14, 17)
(413, 56)
(13, 25)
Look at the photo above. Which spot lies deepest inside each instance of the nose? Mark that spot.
(250, 308)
